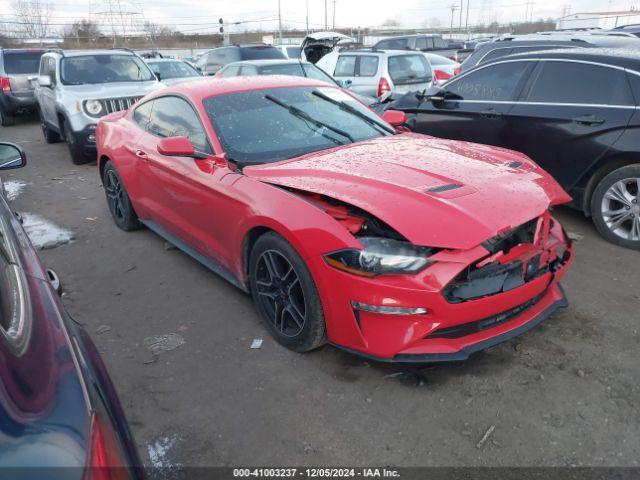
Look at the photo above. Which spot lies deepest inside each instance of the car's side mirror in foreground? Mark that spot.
(395, 118)
(182, 147)
(11, 156)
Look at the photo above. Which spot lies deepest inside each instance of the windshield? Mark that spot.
(103, 69)
(21, 62)
(257, 127)
(173, 70)
(295, 70)
(260, 53)
(405, 69)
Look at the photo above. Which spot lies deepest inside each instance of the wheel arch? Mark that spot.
(607, 166)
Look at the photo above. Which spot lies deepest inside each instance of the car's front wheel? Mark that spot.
(49, 135)
(118, 200)
(615, 207)
(285, 294)
(75, 149)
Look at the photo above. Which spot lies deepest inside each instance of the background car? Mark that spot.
(376, 72)
(17, 66)
(213, 60)
(421, 42)
(170, 71)
(575, 112)
(76, 88)
(296, 68)
(58, 407)
(443, 68)
(399, 247)
(514, 44)
(290, 51)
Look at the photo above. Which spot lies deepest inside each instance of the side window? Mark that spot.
(421, 43)
(142, 114)
(249, 70)
(495, 82)
(496, 53)
(346, 66)
(438, 42)
(52, 71)
(230, 71)
(172, 117)
(43, 66)
(571, 82)
(368, 66)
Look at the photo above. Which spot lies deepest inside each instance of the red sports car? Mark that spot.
(392, 245)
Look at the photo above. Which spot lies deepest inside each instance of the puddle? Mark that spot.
(158, 452)
(43, 233)
(13, 188)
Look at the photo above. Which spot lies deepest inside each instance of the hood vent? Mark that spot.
(443, 188)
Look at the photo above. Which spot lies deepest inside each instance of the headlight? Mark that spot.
(93, 108)
(381, 256)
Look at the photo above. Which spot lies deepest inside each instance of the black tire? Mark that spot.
(6, 119)
(76, 152)
(297, 294)
(50, 136)
(118, 201)
(625, 232)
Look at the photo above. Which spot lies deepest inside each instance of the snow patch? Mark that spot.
(159, 450)
(13, 188)
(43, 233)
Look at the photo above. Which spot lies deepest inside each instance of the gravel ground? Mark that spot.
(564, 394)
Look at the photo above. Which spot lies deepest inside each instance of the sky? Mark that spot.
(202, 15)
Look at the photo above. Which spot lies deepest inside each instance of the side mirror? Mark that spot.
(44, 81)
(158, 76)
(11, 156)
(395, 118)
(176, 147)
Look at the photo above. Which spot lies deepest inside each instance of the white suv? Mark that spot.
(379, 72)
(77, 87)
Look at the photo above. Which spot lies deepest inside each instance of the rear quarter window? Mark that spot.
(368, 66)
(346, 66)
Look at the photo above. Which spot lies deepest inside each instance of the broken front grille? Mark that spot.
(489, 276)
(111, 105)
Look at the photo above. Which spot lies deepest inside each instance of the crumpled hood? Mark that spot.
(435, 192)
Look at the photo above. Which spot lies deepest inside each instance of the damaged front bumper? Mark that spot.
(469, 300)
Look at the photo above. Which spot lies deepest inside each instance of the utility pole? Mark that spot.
(326, 24)
(466, 21)
(334, 14)
(460, 21)
(279, 23)
(307, 1)
(453, 9)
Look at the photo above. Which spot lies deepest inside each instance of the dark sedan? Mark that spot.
(59, 413)
(575, 112)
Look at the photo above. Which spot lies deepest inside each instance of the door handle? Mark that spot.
(142, 155)
(588, 120)
(490, 113)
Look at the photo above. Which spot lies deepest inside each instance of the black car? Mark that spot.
(575, 112)
(515, 44)
(17, 66)
(58, 407)
(213, 60)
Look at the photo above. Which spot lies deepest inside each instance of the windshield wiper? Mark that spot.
(348, 108)
(305, 116)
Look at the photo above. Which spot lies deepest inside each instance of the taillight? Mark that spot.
(103, 459)
(5, 85)
(440, 75)
(383, 87)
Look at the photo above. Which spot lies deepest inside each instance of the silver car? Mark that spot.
(17, 66)
(77, 87)
(379, 72)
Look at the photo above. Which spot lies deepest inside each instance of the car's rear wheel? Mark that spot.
(6, 119)
(285, 294)
(118, 200)
(49, 135)
(615, 207)
(76, 152)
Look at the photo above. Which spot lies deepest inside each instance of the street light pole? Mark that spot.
(326, 24)
(279, 23)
